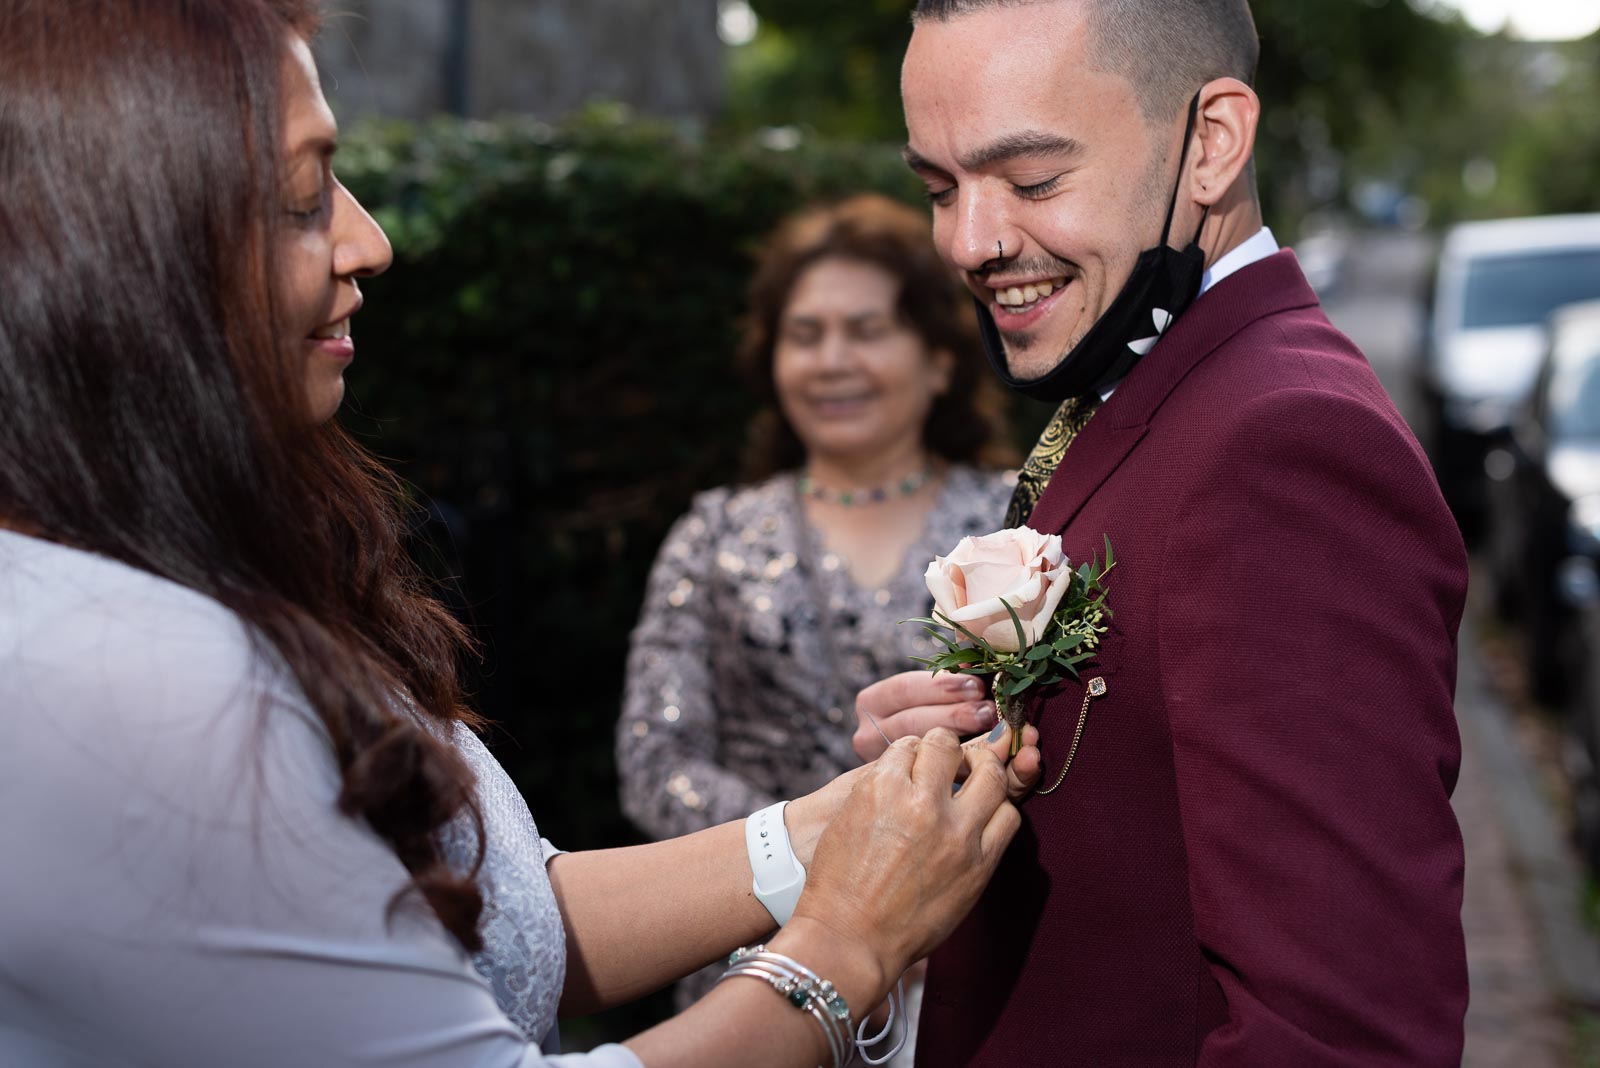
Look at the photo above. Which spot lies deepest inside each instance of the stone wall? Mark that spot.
(539, 57)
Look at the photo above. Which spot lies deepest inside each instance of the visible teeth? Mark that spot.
(337, 332)
(1018, 296)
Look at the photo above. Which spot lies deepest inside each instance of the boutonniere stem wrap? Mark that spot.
(1009, 605)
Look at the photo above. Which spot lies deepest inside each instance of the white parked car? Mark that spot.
(1497, 283)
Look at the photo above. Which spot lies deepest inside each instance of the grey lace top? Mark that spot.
(178, 886)
(524, 956)
(753, 642)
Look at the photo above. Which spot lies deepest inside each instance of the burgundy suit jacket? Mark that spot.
(1253, 860)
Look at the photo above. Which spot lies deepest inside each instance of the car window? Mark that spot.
(1519, 289)
(1574, 395)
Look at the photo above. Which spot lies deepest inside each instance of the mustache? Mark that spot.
(1032, 267)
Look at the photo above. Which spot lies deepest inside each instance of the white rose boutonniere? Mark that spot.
(1009, 604)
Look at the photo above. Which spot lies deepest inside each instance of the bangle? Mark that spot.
(777, 874)
(803, 989)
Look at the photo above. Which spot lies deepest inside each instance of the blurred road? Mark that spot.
(1519, 1015)
(1378, 299)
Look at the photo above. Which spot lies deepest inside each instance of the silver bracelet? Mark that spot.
(784, 984)
(803, 989)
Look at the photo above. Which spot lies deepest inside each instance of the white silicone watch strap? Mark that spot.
(778, 874)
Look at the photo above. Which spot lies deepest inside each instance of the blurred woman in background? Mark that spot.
(773, 603)
(247, 821)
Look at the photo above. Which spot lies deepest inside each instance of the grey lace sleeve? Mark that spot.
(667, 735)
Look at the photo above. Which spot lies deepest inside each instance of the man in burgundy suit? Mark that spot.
(1252, 860)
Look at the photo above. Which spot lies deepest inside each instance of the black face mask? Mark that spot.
(1164, 282)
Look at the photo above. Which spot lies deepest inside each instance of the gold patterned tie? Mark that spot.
(1069, 420)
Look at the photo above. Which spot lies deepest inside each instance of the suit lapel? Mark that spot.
(1264, 288)
(1095, 453)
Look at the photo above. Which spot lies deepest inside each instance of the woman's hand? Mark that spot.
(912, 703)
(807, 817)
(905, 856)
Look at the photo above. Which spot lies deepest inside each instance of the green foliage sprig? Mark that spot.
(1070, 639)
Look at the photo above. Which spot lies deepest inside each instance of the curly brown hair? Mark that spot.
(967, 422)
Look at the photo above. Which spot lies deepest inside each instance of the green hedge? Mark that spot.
(549, 360)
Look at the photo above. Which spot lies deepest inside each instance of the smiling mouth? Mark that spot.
(333, 331)
(843, 403)
(1018, 300)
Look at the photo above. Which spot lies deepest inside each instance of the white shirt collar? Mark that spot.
(1259, 246)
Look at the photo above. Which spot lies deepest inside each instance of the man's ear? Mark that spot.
(1225, 127)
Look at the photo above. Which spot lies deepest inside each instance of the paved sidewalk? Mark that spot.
(1533, 962)
(1514, 1020)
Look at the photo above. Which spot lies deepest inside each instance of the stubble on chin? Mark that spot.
(1027, 358)
(1016, 343)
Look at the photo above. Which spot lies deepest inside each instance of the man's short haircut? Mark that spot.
(1167, 49)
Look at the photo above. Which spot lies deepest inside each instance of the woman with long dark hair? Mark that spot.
(245, 818)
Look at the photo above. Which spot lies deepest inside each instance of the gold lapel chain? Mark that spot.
(1096, 688)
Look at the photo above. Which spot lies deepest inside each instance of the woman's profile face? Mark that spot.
(329, 241)
(853, 379)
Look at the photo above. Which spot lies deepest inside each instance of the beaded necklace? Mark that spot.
(851, 498)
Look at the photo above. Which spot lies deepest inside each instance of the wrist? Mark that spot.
(779, 876)
(854, 968)
(805, 820)
(807, 817)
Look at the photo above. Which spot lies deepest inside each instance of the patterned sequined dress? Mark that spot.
(752, 643)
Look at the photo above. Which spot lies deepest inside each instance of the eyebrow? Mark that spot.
(320, 144)
(854, 318)
(1022, 145)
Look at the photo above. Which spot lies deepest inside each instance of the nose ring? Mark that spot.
(1000, 250)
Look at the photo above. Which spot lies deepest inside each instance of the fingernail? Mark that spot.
(994, 735)
(972, 685)
(986, 714)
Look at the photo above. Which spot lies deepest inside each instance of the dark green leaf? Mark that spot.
(1022, 635)
(979, 642)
